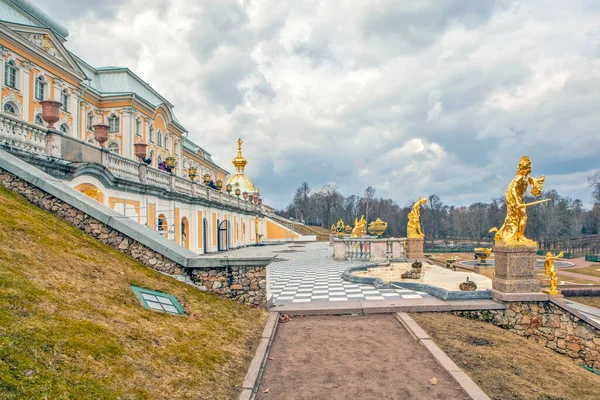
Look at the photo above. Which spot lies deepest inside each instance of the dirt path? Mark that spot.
(341, 357)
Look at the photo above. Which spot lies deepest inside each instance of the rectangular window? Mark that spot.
(113, 124)
(39, 90)
(90, 121)
(138, 125)
(158, 301)
(64, 99)
(10, 75)
(151, 134)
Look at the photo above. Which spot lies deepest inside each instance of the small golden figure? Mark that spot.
(551, 272)
(513, 230)
(340, 229)
(413, 228)
(333, 229)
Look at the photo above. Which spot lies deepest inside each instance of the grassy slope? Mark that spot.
(512, 368)
(70, 327)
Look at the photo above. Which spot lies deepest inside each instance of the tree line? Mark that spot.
(562, 218)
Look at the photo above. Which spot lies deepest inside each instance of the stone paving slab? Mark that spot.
(307, 273)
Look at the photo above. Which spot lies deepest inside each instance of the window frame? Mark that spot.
(8, 104)
(90, 121)
(138, 127)
(64, 99)
(151, 134)
(10, 70)
(67, 131)
(116, 128)
(159, 138)
(35, 117)
(141, 290)
(113, 143)
(39, 86)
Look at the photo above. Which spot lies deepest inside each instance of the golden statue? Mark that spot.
(359, 227)
(482, 253)
(413, 228)
(551, 272)
(340, 229)
(513, 230)
(333, 229)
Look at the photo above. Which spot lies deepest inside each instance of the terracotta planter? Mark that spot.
(140, 150)
(101, 133)
(51, 112)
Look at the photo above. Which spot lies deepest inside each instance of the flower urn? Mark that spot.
(101, 133)
(50, 112)
(229, 188)
(219, 184)
(238, 192)
(377, 228)
(206, 179)
(140, 150)
(246, 195)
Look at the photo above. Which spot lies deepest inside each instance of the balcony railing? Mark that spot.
(25, 138)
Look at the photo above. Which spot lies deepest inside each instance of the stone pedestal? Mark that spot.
(378, 251)
(339, 250)
(414, 248)
(397, 249)
(516, 270)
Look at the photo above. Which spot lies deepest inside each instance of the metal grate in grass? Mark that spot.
(157, 301)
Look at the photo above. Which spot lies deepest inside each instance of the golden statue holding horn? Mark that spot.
(513, 230)
(413, 228)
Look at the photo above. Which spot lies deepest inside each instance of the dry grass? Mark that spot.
(512, 367)
(592, 301)
(70, 327)
(592, 270)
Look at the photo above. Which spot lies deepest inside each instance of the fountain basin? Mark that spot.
(437, 281)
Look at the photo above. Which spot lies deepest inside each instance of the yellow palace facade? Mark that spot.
(36, 66)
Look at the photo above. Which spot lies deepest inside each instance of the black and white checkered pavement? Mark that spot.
(309, 273)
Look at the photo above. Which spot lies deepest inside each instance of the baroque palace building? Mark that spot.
(36, 66)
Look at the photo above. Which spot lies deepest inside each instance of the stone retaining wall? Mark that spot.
(547, 324)
(246, 285)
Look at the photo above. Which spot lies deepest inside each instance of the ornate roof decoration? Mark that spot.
(239, 179)
(43, 41)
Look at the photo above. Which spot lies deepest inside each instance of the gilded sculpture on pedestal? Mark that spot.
(340, 228)
(413, 228)
(551, 272)
(359, 227)
(513, 230)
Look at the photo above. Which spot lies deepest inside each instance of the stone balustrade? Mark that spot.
(22, 136)
(37, 142)
(367, 248)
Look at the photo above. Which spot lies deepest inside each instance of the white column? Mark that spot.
(82, 116)
(25, 88)
(127, 132)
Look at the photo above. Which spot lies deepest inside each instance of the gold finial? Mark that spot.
(239, 162)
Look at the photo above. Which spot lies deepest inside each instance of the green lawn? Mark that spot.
(71, 328)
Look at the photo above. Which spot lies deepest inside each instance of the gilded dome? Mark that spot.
(239, 179)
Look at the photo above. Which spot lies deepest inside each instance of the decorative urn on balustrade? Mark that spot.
(238, 192)
(170, 163)
(101, 133)
(246, 195)
(192, 172)
(51, 112)
(229, 188)
(377, 228)
(348, 229)
(206, 179)
(140, 150)
(251, 197)
(259, 202)
(219, 184)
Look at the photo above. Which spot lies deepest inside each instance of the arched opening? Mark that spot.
(40, 88)
(64, 128)
(113, 147)
(223, 235)
(161, 225)
(91, 191)
(10, 108)
(114, 123)
(38, 119)
(205, 235)
(185, 232)
(229, 235)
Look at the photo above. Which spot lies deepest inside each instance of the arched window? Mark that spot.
(64, 99)
(64, 128)
(151, 134)
(159, 138)
(38, 119)
(138, 127)
(10, 108)
(90, 120)
(40, 86)
(113, 147)
(10, 74)
(113, 123)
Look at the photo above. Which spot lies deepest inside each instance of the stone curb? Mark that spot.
(255, 370)
(465, 382)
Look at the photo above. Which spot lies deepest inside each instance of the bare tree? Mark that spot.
(369, 195)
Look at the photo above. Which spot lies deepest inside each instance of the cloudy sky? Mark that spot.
(412, 97)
